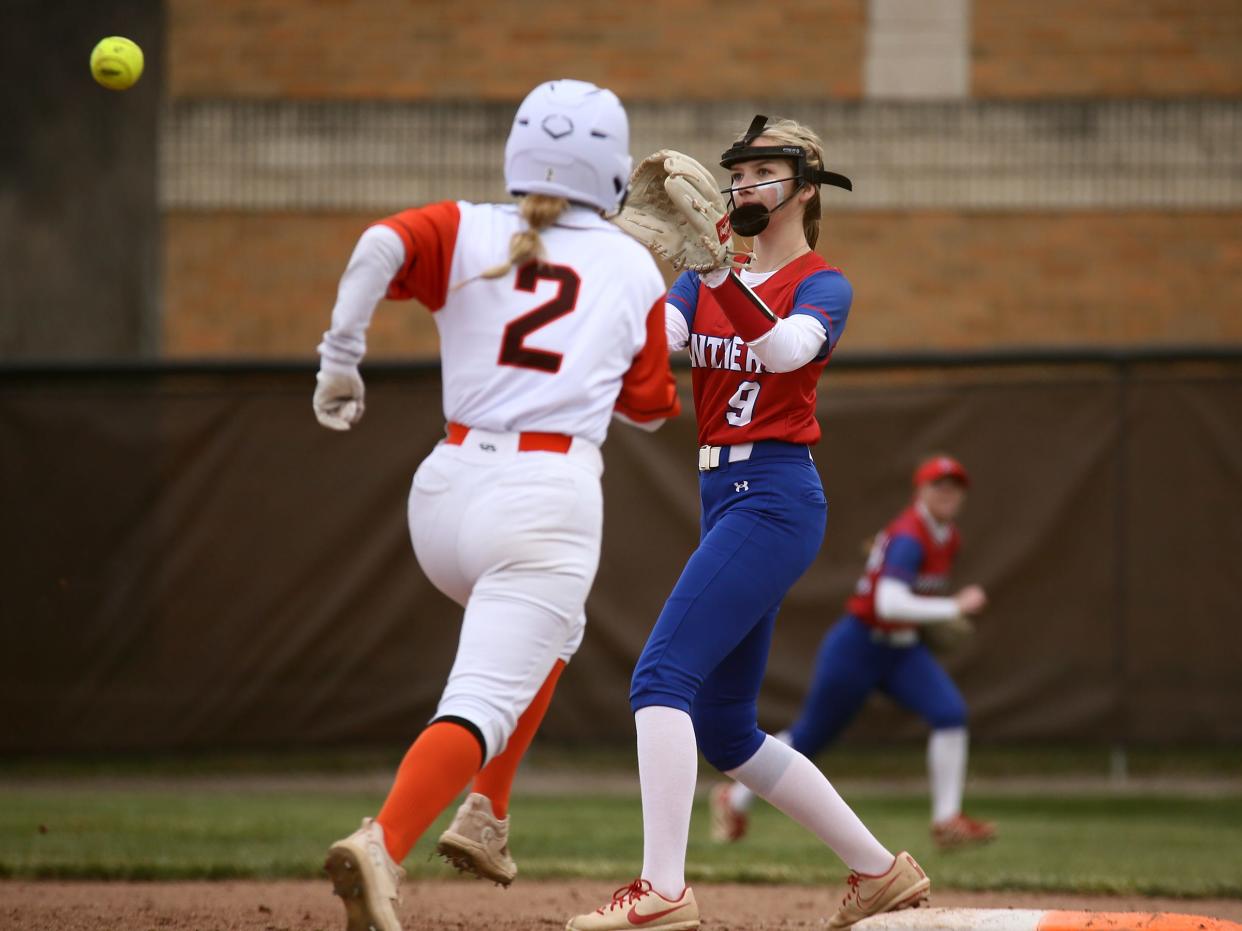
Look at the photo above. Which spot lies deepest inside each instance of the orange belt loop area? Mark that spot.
(527, 442)
(544, 443)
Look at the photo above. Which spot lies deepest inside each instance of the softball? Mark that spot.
(116, 63)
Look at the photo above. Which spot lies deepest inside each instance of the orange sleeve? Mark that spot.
(430, 236)
(648, 389)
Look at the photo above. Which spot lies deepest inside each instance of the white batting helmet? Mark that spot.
(570, 139)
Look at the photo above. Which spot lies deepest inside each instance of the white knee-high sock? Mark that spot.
(792, 783)
(668, 763)
(740, 797)
(946, 770)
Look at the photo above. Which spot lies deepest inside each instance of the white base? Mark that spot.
(954, 919)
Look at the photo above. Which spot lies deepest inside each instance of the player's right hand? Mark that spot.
(971, 600)
(338, 399)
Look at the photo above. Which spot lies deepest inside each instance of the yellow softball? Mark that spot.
(116, 63)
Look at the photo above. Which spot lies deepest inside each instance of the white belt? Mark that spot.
(710, 457)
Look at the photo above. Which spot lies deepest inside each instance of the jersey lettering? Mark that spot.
(722, 352)
(513, 349)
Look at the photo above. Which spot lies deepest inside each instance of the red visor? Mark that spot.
(938, 468)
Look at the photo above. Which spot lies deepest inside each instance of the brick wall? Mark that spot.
(260, 284)
(1113, 48)
(960, 280)
(1144, 263)
(499, 50)
(795, 49)
(263, 285)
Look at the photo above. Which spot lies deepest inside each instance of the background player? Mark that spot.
(758, 343)
(550, 320)
(877, 646)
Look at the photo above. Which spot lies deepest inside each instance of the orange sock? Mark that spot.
(496, 779)
(435, 769)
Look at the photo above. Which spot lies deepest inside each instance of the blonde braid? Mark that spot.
(539, 211)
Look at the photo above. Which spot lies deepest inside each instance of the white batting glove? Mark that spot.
(338, 398)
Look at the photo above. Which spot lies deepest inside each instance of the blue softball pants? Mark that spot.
(761, 527)
(851, 665)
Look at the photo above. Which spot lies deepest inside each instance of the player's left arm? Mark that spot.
(824, 298)
(810, 331)
(895, 599)
(648, 394)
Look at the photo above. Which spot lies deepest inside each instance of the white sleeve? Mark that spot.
(377, 258)
(647, 426)
(675, 328)
(791, 344)
(894, 601)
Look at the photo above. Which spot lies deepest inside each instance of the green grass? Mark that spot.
(849, 760)
(1165, 845)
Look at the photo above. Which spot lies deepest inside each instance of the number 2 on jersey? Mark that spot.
(513, 348)
(742, 404)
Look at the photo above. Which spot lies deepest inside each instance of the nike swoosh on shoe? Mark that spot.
(636, 919)
(872, 898)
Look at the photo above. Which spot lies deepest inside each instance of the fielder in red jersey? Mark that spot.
(758, 340)
(738, 398)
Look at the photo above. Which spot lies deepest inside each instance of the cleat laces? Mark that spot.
(627, 895)
(852, 882)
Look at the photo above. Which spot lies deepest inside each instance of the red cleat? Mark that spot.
(728, 823)
(961, 830)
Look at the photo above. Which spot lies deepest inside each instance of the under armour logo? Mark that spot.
(487, 447)
(741, 486)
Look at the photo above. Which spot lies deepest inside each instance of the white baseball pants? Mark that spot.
(513, 537)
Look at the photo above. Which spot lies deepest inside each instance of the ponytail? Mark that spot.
(539, 211)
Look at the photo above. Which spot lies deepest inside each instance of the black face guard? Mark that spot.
(743, 151)
(752, 219)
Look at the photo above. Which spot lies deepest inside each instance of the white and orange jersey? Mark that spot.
(553, 346)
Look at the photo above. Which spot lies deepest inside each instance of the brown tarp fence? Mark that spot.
(187, 560)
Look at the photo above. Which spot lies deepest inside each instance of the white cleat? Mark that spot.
(478, 842)
(903, 885)
(366, 879)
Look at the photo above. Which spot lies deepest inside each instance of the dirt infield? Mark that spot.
(458, 905)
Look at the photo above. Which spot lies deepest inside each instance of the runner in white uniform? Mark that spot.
(551, 322)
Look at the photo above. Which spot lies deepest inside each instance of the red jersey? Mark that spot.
(736, 398)
(904, 550)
